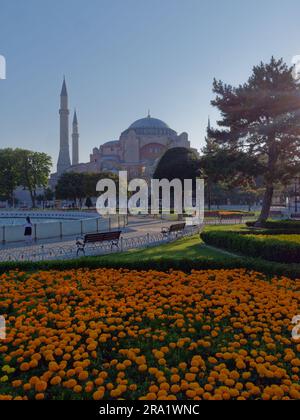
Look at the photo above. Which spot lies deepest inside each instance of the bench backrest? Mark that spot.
(177, 227)
(102, 237)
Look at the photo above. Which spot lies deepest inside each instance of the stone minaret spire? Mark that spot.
(64, 161)
(75, 141)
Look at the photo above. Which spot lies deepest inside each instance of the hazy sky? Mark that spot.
(121, 57)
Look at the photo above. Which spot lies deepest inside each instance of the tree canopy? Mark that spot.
(78, 186)
(34, 168)
(9, 174)
(26, 168)
(178, 163)
(261, 118)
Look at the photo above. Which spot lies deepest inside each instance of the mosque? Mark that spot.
(137, 151)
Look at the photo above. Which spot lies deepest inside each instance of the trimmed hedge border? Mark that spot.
(278, 224)
(271, 269)
(278, 251)
(264, 231)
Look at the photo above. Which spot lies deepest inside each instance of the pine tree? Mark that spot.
(262, 118)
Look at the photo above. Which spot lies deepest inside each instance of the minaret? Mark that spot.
(75, 141)
(64, 161)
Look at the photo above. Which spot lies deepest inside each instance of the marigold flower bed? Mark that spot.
(109, 334)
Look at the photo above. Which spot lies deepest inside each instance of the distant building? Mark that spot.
(138, 149)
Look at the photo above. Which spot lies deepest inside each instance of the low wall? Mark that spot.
(49, 214)
(60, 228)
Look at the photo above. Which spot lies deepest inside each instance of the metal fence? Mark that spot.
(68, 250)
(62, 228)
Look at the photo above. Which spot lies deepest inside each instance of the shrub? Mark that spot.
(278, 224)
(269, 231)
(272, 250)
(162, 264)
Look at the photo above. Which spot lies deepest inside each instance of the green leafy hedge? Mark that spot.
(271, 250)
(278, 224)
(163, 264)
(265, 231)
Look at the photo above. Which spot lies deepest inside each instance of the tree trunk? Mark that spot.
(209, 195)
(266, 207)
(32, 196)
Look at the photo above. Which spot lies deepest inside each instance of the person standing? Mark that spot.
(28, 231)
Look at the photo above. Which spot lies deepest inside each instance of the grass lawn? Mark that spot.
(187, 248)
(192, 248)
(185, 254)
(194, 253)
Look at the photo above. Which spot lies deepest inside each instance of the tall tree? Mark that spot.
(91, 180)
(77, 186)
(34, 170)
(228, 167)
(71, 186)
(9, 174)
(178, 163)
(262, 118)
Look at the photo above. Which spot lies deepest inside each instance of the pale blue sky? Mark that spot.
(121, 57)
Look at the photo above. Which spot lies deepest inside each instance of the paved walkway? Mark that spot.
(139, 233)
(135, 232)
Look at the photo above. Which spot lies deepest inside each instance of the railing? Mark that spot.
(232, 220)
(61, 228)
(69, 250)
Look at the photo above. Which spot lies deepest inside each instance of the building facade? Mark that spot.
(137, 151)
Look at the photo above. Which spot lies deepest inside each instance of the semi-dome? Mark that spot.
(149, 122)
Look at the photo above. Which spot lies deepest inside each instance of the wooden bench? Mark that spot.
(91, 238)
(177, 228)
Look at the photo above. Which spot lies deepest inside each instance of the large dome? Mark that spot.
(149, 122)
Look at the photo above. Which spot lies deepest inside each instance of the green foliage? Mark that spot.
(77, 186)
(70, 186)
(229, 174)
(9, 173)
(161, 264)
(278, 224)
(23, 167)
(284, 237)
(261, 118)
(178, 163)
(185, 255)
(249, 245)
